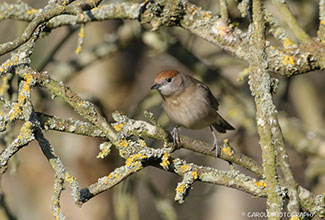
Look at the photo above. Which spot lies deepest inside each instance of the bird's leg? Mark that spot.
(175, 134)
(215, 142)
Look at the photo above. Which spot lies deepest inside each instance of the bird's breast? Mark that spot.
(190, 111)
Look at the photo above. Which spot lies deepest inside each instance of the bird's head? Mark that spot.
(168, 82)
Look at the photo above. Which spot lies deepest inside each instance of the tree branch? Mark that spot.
(282, 6)
(265, 110)
(298, 60)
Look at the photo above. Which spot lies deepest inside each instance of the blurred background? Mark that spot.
(115, 70)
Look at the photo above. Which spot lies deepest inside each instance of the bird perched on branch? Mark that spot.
(189, 103)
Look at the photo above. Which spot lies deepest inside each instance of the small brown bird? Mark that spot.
(189, 103)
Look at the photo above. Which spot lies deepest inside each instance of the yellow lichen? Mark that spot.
(134, 160)
(16, 110)
(104, 153)
(294, 218)
(135, 163)
(227, 151)
(115, 175)
(118, 127)
(195, 175)
(124, 143)
(31, 11)
(25, 131)
(184, 168)
(21, 98)
(226, 142)
(140, 156)
(80, 40)
(287, 43)
(129, 161)
(110, 176)
(78, 50)
(180, 188)
(70, 179)
(82, 31)
(28, 77)
(288, 60)
(175, 3)
(192, 9)
(322, 22)
(3, 85)
(243, 74)
(96, 8)
(222, 30)
(207, 15)
(165, 160)
(105, 149)
(260, 184)
(142, 143)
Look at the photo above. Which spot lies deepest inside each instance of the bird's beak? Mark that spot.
(155, 86)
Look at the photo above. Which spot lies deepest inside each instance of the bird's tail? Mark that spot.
(222, 125)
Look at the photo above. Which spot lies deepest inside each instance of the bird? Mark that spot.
(189, 103)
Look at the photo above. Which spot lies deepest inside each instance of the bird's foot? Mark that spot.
(215, 143)
(216, 147)
(176, 138)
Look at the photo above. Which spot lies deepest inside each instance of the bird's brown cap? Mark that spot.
(165, 75)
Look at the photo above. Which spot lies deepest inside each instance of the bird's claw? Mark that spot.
(216, 147)
(215, 143)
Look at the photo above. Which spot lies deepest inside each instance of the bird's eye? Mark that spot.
(169, 79)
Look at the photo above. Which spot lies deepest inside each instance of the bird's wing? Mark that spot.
(211, 100)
